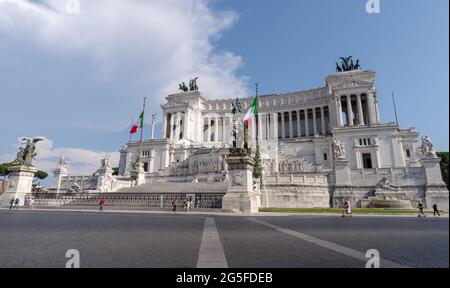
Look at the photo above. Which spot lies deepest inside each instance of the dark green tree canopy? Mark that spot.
(444, 166)
(41, 175)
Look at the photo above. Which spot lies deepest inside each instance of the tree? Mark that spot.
(115, 171)
(4, 169)
(444, 166)
(40, 175)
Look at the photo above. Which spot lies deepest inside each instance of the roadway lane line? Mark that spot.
(330, 245)
(211, 254)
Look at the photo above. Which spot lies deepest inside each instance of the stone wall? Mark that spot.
(296, 191)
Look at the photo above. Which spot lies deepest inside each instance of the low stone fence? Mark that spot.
(128, 200)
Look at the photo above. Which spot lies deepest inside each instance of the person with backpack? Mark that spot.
(16, 203)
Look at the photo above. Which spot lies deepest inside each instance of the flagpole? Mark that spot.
(257, 170)
(256, 117)
(142, 128)
(132, 122)
(395, 108)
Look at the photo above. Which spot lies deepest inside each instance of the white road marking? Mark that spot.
(211, 254)
(330, 245)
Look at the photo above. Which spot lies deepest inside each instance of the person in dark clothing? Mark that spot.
(435, 210)
(11, 203)
(16, 203)
(420, 207)
(174, 205)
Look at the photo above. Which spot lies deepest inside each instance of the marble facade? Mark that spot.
(297, 134)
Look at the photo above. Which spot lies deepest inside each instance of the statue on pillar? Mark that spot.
(426, 150)
(26, 152)
(104, 162)
(237, 125)
(62, 163)
(339, 150)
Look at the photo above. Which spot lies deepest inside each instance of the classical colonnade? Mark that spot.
(297, 123)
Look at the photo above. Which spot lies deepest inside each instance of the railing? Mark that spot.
(131, 200)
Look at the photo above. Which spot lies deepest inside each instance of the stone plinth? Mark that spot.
(342, 172)
(104, 179)
(436, 191)
(58, 174)
(140, 177)
(240, 196)
(20, 183)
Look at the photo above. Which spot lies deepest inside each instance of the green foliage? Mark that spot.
(41, 175)
(115, 171)
(4, 169)
(444, 166)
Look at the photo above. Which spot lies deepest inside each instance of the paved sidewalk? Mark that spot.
(221, 213)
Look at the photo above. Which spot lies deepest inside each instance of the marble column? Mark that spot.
(306, 123)
(299, 128)
(177, 126)
(185, 126)
(314, 120)
(369, 99)
(216, 129)
(164, 128)
(339, 111)
(291, 125)
(172, 120)
(377, 114)
(275, 125)
(322, 119)
(349, 110)
(283, 129)
(360, 110)
(208, 129)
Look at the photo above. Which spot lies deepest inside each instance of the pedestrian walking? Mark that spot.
(420, 207)
(347, 210)
(16, 203)
(174, 205)
(11, 203)
(435, 210)
(188, 204)
(102, 201)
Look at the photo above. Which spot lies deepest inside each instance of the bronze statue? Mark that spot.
(183, 87)
(193, 84)
(347, 64)
(26, 153)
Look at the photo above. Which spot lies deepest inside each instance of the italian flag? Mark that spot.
(135, 126)
(253, 111)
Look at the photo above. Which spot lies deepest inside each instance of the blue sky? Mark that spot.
(77, 79)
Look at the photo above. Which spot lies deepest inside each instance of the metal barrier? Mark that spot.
(132, 200)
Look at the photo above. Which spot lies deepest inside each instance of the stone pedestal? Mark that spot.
(58, 174)
(343, 182)
(104, 179)
(19, 184)
(436, 190)
(240, 196)
(342, 172)
(140, 177)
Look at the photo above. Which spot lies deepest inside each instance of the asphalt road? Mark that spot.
(41, 239)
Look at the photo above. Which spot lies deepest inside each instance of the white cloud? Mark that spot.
(96, 66)
(80, 161)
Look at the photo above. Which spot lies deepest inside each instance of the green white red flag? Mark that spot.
(138, 125)
(252, 111)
